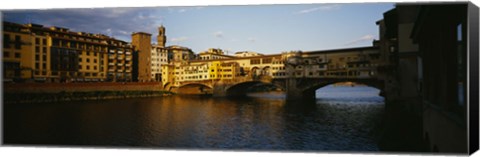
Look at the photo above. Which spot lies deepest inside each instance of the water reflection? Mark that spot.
(261, 122)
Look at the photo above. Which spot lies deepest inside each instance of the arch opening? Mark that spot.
(194, 89)
(242, 89)
(347, 91)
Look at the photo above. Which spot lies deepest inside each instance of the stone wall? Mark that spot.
(80, 87)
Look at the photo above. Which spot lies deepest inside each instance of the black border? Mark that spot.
(473, 72)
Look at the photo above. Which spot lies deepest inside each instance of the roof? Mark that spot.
(341, 50)
(144, 33)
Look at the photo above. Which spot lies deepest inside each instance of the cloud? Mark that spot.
(124, 32)
(116, 22)
(251, 40)
(182, 10)
(321, 8)
(364, 38)
(179, 39)
(218, 34)
(108, 31)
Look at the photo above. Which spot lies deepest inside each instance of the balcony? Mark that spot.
(128, 71)
(128, 58)
(128, 65)
(119, 64)
(120, 70)
(111, 70)
(119, 58)
(112, 51)
(111, 63)
(120, 52)
(111, 57)
(128, 53)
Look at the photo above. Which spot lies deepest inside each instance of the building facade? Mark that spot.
(441, 34)
(33, 52)
(120, 61)
(212, 54)
(142, 43)
(159, 57)
(247, 54)
(346, 63)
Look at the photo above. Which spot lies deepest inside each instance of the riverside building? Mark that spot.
(32, 52)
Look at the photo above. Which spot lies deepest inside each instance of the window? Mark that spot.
(88, 67)
(6, 41)
(18, 42)
(461, 67)
(6, 54)
(37, 41)
(17, 55)
(44, 41)
(37, 49)
(266, 60)
(37, 57)
(255, 61)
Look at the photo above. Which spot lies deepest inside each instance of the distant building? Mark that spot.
(180, 53)
(32, 52)
(213, 54)
(159, 58)
(142, 43)
(247, 54)
(120, 61)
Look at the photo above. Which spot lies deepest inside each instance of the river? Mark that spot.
(340, 119)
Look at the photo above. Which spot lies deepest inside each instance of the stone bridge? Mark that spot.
(294, 88)
(298, 74)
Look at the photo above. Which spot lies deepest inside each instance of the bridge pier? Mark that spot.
(219, 89)
(294, 93)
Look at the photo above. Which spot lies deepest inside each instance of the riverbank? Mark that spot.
(59, 92)
(24, 97)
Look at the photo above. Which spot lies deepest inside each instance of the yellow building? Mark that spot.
(17, 52)
(33, 52)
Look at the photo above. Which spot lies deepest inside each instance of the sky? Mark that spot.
(266, 29)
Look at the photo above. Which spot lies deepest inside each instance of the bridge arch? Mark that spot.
(310, 87)
(241, 89)
(167, 86)
(194, 88)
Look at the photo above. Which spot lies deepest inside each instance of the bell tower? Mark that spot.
(161, 37)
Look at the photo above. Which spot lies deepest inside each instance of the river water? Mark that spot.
(340, 119)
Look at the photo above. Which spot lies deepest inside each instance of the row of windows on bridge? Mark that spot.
(349, 73)
(204, 77)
